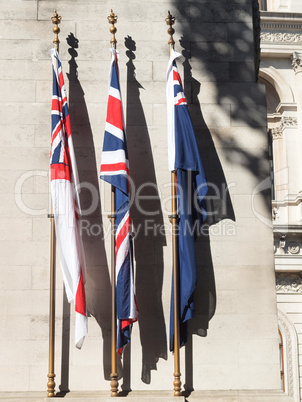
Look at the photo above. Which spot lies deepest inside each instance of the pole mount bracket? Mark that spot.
(174, 216)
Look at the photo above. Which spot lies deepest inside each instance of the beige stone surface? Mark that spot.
(163, 396)
(236, 273)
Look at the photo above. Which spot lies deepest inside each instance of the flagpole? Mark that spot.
(174, 220)
(112, 19)
(56, 19)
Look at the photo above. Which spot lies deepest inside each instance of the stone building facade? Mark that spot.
(281, 46)
(233, 339)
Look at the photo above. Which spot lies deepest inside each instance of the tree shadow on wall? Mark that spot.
(219, 207)
(218, 45)
(98, 288)
(223, 43)
(147, 220)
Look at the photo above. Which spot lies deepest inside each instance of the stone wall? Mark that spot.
(233, 341)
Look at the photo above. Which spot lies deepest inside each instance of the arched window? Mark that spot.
(289, 357)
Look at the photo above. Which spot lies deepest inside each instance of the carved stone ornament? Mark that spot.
(288, 282)
(284, 37)
(275, 212)
(296, 62)
(289, 122)
(293, 248)
(286, 122)
(277, 133)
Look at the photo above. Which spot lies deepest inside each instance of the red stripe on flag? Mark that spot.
(176, 77)
(114, 167)
(181, 100)
(80, 299)
(56, 131)
(122, 234)
(124, 325)
(67, 125)
(59, 171)
(114, 112)
(56, 105)
(61, 80)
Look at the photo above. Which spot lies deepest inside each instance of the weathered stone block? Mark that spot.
(16, 10)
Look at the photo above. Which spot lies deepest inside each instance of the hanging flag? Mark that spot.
(65, 200)
(115, 170)
(184, 158)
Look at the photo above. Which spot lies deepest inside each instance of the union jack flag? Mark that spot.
(65, 200)
(184, 157)
(115, 170)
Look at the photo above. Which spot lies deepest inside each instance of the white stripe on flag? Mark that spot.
(122, 222)
(54, 62)
(117, 132)
(122, 251)
(179, 96)
(111, 157)
(56, 97)
(56, 140)
(113, 173)
(121, 254)
(133, 311)
(115, 93)
(56, 113)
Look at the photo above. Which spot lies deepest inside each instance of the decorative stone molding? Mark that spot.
(275, 212)
(291, 357)
(282, 243)
(296, 62)
(280, 26)
(281, 37)
(288, 122)
(277, 133)
(293, 248)
(288, 282)
(281, 33)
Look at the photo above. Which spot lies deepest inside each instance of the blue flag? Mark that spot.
(184, 158)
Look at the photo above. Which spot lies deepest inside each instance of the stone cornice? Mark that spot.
(280, 25)
(285, 228)
(280, 33)
(280, 21)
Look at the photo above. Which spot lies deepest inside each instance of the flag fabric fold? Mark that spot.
(184, 158)
(66, 204)
(115, 170)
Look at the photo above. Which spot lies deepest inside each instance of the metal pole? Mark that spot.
(56, 19)
(112, 19)
(174, 218)
(52, 305)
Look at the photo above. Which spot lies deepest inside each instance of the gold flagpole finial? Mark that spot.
(56, 20)
(170, 21)
(112, 19)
